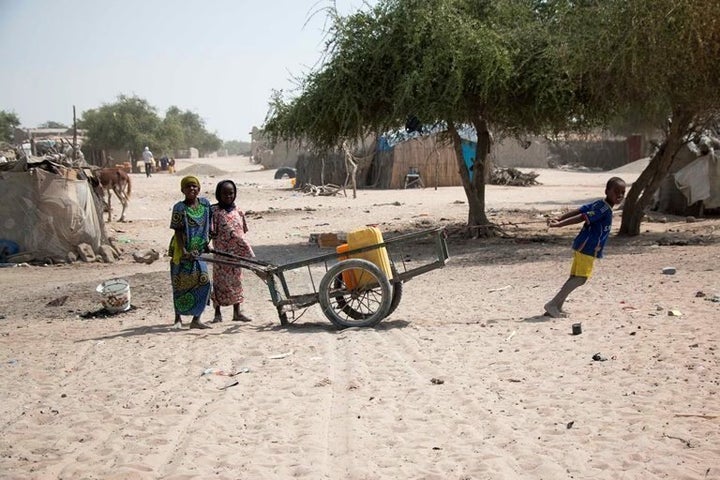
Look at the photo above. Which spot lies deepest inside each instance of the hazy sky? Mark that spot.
(218, 58)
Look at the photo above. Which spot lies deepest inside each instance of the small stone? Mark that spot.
(669, 271)
(107, 254)
(146, 256)
(86, 253)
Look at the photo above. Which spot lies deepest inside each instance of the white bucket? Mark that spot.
(116, 295)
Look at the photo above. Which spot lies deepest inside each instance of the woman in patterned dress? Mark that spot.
(229, 228)
(191, 221)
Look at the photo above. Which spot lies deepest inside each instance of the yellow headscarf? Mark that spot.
(189, 180)
(174, 250)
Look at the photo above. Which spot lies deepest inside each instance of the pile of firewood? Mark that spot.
(513, 177)
(321, 190)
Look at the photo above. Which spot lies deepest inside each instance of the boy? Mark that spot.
(589, 243)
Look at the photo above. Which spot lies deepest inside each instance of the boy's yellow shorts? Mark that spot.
(582, 265)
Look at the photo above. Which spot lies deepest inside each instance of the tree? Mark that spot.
(210, 143)
(659, 61)
(193, 131)
(128, 124)
(488, 64)
(8, 122)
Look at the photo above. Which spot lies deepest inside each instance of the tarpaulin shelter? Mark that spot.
(693, 183)
(48, 210)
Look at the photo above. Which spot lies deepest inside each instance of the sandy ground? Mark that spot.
(515, 395)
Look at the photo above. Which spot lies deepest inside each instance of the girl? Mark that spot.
(229, 236)
(190, 280)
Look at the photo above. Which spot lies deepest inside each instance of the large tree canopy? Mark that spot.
(489, 64)
(128, 124)
(657, 61)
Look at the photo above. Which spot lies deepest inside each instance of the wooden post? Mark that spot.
(75, 145)
(350, 168)
(437, 160)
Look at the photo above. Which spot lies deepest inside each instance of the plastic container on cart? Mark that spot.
(365, 237)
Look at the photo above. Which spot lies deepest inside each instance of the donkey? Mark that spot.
(113, 180)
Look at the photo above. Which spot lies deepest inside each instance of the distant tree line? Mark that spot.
(131, 123)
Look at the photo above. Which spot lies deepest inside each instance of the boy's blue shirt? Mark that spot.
(596, 229)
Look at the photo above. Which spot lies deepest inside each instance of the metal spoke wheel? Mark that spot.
(355, 293)
(397, 290)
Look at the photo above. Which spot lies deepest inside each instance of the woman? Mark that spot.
(229, 229)
(191, 221)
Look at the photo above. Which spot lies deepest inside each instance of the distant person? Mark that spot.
(163, 162)
(588, 244)
(148, 159)
(229, 229)
(191, 222)
(171, 165)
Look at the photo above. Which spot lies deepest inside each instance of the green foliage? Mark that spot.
(128, 124)
(189, 128)
(456, 61)
(645, 59)
(131, 123)
(8, 122)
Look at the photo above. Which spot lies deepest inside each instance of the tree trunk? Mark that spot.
(642, 192)
(475, 188)
(350, 168)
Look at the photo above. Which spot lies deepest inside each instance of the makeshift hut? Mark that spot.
(47, 211)
(382, 165)
(692, 185)
(427, 156)
(401, 157)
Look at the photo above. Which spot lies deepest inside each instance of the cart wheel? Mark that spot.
(397, 290)
(361, 301)
(396, 297)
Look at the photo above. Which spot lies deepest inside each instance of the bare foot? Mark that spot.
(199, 324)
(241, 318)
(216, 319)
(553, 311)
(177, 325)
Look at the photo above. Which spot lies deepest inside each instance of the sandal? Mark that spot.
(241, 318)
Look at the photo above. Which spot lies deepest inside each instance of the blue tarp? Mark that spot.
(388, 141)
(468, 150)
